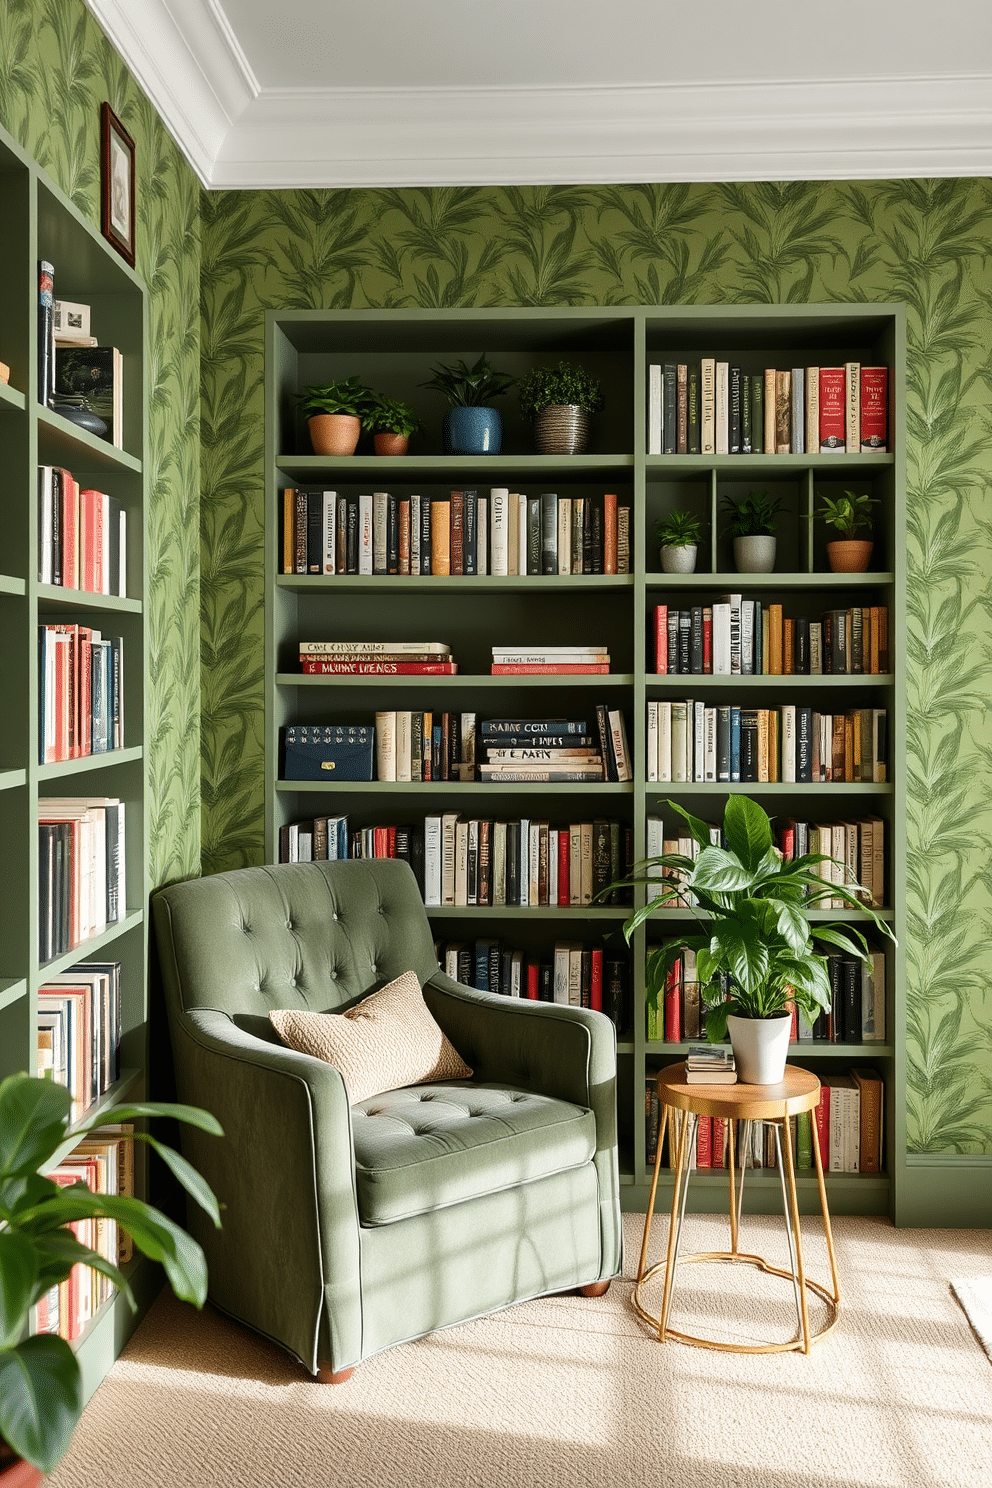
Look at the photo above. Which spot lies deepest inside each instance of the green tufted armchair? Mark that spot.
(350, 1229)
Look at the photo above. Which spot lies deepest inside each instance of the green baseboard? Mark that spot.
(946, 1191)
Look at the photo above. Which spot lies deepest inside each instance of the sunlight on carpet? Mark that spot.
(975, 1296)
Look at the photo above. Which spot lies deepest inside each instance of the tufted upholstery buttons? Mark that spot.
(334, 976)
(374, 967)
(292, 981)
(289, 924)
(334, 915)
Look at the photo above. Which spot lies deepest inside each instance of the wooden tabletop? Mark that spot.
(798, 1091)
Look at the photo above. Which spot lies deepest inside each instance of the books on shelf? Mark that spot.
(82, 870)
(691, 740)
(532, 862)
(552, 661)
(859, 844)
(772, 411)
(79, 1031)
(736, 635)
(82, 535)
(95, 375)
(46, 333)
(503, 533)
(377, 659)
(80, 692)
(569, 972)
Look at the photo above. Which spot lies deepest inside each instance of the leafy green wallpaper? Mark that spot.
(56, 68)
(922, 242)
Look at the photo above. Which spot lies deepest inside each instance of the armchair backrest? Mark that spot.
(315, 936)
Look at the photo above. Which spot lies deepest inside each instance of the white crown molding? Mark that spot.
(188, 60)
(814, 130)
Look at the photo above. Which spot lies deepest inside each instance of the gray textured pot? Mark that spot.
(681, 559)
(761, 1048)
(754, 554)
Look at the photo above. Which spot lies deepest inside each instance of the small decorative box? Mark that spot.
(340, 751)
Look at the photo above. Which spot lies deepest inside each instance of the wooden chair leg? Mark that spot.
(594, 1289)
(327, 1376)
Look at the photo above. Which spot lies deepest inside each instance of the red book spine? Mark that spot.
(787, 844)
(833, 411)
(391, 842)
(85, 691)
(70, 532)
(718, 1158)
(567, 669)
(874, 409)
(704, 1142)
(533, 973)
(661, 640)
(673, 1005)
(86, 536)
(707, 640)
(563, 862)
(609, 534)
(63, 700)
(379, 668)
(596, 981)
(380, 842)
(821, 1126)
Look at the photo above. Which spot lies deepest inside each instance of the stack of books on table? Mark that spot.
(376, 659)
(550, 661)
(710, 1064)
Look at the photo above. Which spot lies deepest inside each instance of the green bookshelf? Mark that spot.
(394, 351)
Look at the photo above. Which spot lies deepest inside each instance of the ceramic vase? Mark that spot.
(849, 554)
(754, 554)
(562, 429)
(678, 559)
(334, 433)
(473, 431)
(761, 1047)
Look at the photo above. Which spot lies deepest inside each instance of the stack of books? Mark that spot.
(710, 1064)
(376, 659)
(554, 749)
(550, 661)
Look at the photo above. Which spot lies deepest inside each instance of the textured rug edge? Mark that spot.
(975, 1296)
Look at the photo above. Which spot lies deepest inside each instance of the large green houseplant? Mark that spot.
(752, 909)
(40, 1386)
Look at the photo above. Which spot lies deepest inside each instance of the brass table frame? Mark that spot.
(768, 1104)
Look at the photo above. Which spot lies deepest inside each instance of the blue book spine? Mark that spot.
(481, 981)
(735, 743)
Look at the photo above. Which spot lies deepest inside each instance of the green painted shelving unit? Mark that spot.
(393, 351)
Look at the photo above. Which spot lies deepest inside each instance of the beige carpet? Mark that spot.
(577, 1393)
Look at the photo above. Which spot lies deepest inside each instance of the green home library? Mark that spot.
(496, 719)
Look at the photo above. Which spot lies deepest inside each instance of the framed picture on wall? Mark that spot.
(116, 184)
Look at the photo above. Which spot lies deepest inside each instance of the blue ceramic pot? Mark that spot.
(473, 431)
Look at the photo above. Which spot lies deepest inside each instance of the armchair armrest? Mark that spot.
(284, 1174)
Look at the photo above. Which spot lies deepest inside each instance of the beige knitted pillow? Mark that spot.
(387, 1040)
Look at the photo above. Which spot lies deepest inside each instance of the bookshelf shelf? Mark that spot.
(393, 350)
(565, 913)
(41, 223)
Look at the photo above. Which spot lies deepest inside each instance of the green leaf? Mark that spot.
(699, 829)
(33, 1117)
(748, 830)
(60, 1251)
(720, 871)
(41, 1399)
(197, 1187)
(716, 1022)
(18, 1279)
(191, 1115)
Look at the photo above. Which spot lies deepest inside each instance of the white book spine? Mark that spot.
(616, 737)
(707, 405)
(516, 974)
(404, 731)
(380, 533)
(652, 741)
(709, 744)
(367, 545)
(747, 637)
(564, 536)
(482, 536)
(521, 501)
(721, 640)
(654, 408)
(448, 823)
(655, 846)
(534, 864)
(722, 429)
(553, 865)
(329, 528)
(789, 742)
(499, 862)
(698, 740)
(385, 746)
(665, 740)
(561, 973)
(523, 873)
(499, 503)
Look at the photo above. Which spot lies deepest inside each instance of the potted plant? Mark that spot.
(560, 400)
(391, 422)
(751, 523)
(40, 1383)
(471, 425)
(754, 929)
(849, 514)
(679, 534)
(336, 413)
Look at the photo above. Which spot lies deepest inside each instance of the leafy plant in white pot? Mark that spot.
(679, 534)
(751, 523)
(752, 908)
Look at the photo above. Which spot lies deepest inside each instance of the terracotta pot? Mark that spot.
(334, 433)
(16, 1473)
(4, 372)
(849, 554)
(761, 1048)
(390, 444)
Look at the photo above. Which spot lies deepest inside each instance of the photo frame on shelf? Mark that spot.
(117, 201)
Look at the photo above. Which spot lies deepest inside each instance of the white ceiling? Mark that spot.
(263, 93)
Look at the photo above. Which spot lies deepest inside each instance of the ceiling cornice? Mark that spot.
(238, 135)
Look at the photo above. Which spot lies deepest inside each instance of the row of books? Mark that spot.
(105, 1163)
(688, 739)
(550, 661)
(82, 870)
(714, 407)
(571, 973)
(425, 746)
(376, 659)
(459, 861)
(847, 1124)
(504, 534)
(735, 635)
(79, 1031)
(856, 1014)
(82, 535)
(80, 692)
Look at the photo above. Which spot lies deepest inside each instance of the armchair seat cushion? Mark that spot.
(427, 1147)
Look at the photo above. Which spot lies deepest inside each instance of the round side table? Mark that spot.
(772, 1104)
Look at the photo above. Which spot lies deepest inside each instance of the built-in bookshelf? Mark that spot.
(475, 613)
(41, 224)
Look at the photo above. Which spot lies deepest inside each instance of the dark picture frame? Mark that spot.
(116, 184)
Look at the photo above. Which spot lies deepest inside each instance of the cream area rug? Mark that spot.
(578, 1393)
(975, 1296)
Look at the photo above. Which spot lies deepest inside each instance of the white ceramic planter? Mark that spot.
(678, 559)
(754, 554)
(761, 1047)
